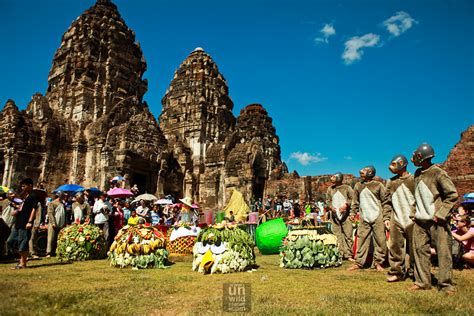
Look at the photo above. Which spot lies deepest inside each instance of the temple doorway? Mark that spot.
(258, 180)
(140, 179)
(174, 179)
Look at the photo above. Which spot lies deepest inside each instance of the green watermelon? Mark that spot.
(269, 236)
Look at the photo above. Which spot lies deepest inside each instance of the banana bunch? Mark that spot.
(139, 247)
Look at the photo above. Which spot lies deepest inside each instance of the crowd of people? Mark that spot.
(26, 213)
(417, 212)
(405, 224)
(281, 206)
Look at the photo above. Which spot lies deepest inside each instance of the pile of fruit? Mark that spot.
(310, 248)
(80, 242)
(140, 247)
(223, 248)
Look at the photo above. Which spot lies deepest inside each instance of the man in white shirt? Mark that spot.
(287, 207)
(142, 209)
(101, 210)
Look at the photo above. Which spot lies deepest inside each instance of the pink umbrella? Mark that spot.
(119, 193)
(194, 206)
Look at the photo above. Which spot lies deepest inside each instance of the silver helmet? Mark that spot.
(398, 162)
(423, 152)
(369, 171)
(338, 177)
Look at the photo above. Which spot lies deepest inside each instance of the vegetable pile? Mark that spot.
(310, 248)
(81, 242)
(223, 248)
(140, 247)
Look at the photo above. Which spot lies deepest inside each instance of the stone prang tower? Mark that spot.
(215, 154)
(92, 123)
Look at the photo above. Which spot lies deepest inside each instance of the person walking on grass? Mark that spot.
(435, 196)
(400, 204)
(25, 216)
(339, 199)
(368, 199)
(56, 221)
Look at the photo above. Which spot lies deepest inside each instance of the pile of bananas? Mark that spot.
(140, 247)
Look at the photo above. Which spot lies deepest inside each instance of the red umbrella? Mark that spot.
(119, 193)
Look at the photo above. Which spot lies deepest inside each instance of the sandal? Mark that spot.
(18, 267)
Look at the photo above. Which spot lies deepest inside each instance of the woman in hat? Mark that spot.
(186, 216)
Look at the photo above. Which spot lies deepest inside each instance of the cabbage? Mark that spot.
(308, 249)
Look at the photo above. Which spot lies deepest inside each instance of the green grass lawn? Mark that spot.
(93, 287)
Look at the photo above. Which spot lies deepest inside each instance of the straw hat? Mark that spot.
(187, 201)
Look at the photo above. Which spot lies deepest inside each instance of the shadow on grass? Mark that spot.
(49, 265)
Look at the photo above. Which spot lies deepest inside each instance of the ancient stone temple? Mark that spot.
(216, 152)
(460, 163)
(255, 157)
(92, 123)
(197, 112)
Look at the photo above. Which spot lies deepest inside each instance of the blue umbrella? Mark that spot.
(469, 195)
(70, 188)
(94, 191)
(468, 201)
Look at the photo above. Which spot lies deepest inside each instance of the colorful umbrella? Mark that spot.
(119, 193)
(70, 188)
(469, 195)
(164, 202)
(146, 197)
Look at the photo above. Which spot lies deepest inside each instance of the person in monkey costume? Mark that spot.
(400, 204)
(435, 196)
(368, 199)
(339, 199)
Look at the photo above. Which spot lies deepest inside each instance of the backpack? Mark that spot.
(60, 215)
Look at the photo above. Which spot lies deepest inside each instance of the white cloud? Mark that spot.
(306, 158)
(399, 23)
(348, 157)
(327, 31)
(353, 50)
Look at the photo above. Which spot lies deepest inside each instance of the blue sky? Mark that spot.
(398, 85)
